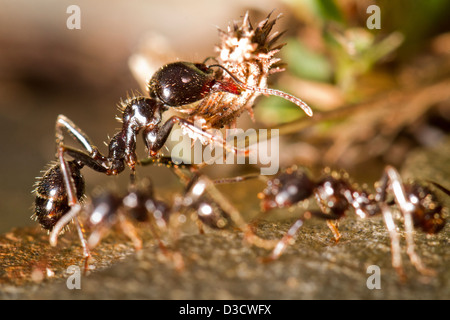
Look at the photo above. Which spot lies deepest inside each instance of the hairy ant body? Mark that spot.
(335, 195)
(51, 198)
(178, 84)
(139, 204)
(209, 93)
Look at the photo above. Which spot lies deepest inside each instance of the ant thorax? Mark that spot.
(248, 53)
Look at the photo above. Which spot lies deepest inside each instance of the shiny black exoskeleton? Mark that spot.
(139, 114)
(51, 198)
(335, 196)
(180, 83)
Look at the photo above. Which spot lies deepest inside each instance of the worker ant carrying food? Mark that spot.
(220, 96)
(335, 195)
(107, 209)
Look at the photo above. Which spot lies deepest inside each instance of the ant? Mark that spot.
(192, 86)
(335, 195)
(62, 186)
(174, 85)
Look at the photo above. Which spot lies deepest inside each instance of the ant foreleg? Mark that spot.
(156, 137)
(62, 122)
(395, 239)
(283, 243)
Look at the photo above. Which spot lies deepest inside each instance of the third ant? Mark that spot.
(336, 195)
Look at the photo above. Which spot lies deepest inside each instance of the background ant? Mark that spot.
(336, 195)
(107, 209)
(52, 208)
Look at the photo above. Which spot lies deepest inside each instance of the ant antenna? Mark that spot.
(268, 91)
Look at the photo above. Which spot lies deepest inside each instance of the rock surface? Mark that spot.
(219, 265)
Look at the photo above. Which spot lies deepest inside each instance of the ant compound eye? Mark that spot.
(181, 83)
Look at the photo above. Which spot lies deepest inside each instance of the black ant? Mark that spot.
(335, 195)
(177, 84)
(52, 208)
(139, 204)
(107, 209)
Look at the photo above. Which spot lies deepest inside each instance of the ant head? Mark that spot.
(286, 189)
(181, 83)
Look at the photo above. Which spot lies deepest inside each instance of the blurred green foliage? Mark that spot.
(348, 50)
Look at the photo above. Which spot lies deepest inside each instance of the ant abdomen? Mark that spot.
(51, 201)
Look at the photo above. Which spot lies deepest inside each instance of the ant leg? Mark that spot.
(86, 253)
(203, 184)
(74, 211)
(201, 230)
(395, 240)
(237, 179)
(407, 209)
(94, 159)
(284, 242)
(175, 256)
(156, 137)
(332, 224)
(158, 224)
(167, 162)
(62, 122)
(235, 216)
(62, 222)
(71, 196)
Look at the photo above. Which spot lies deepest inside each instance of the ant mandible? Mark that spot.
(335, 195)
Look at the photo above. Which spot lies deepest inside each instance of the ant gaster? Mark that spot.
(335, 195)
(173, 85)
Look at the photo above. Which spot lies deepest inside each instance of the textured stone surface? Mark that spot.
(219, 265)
